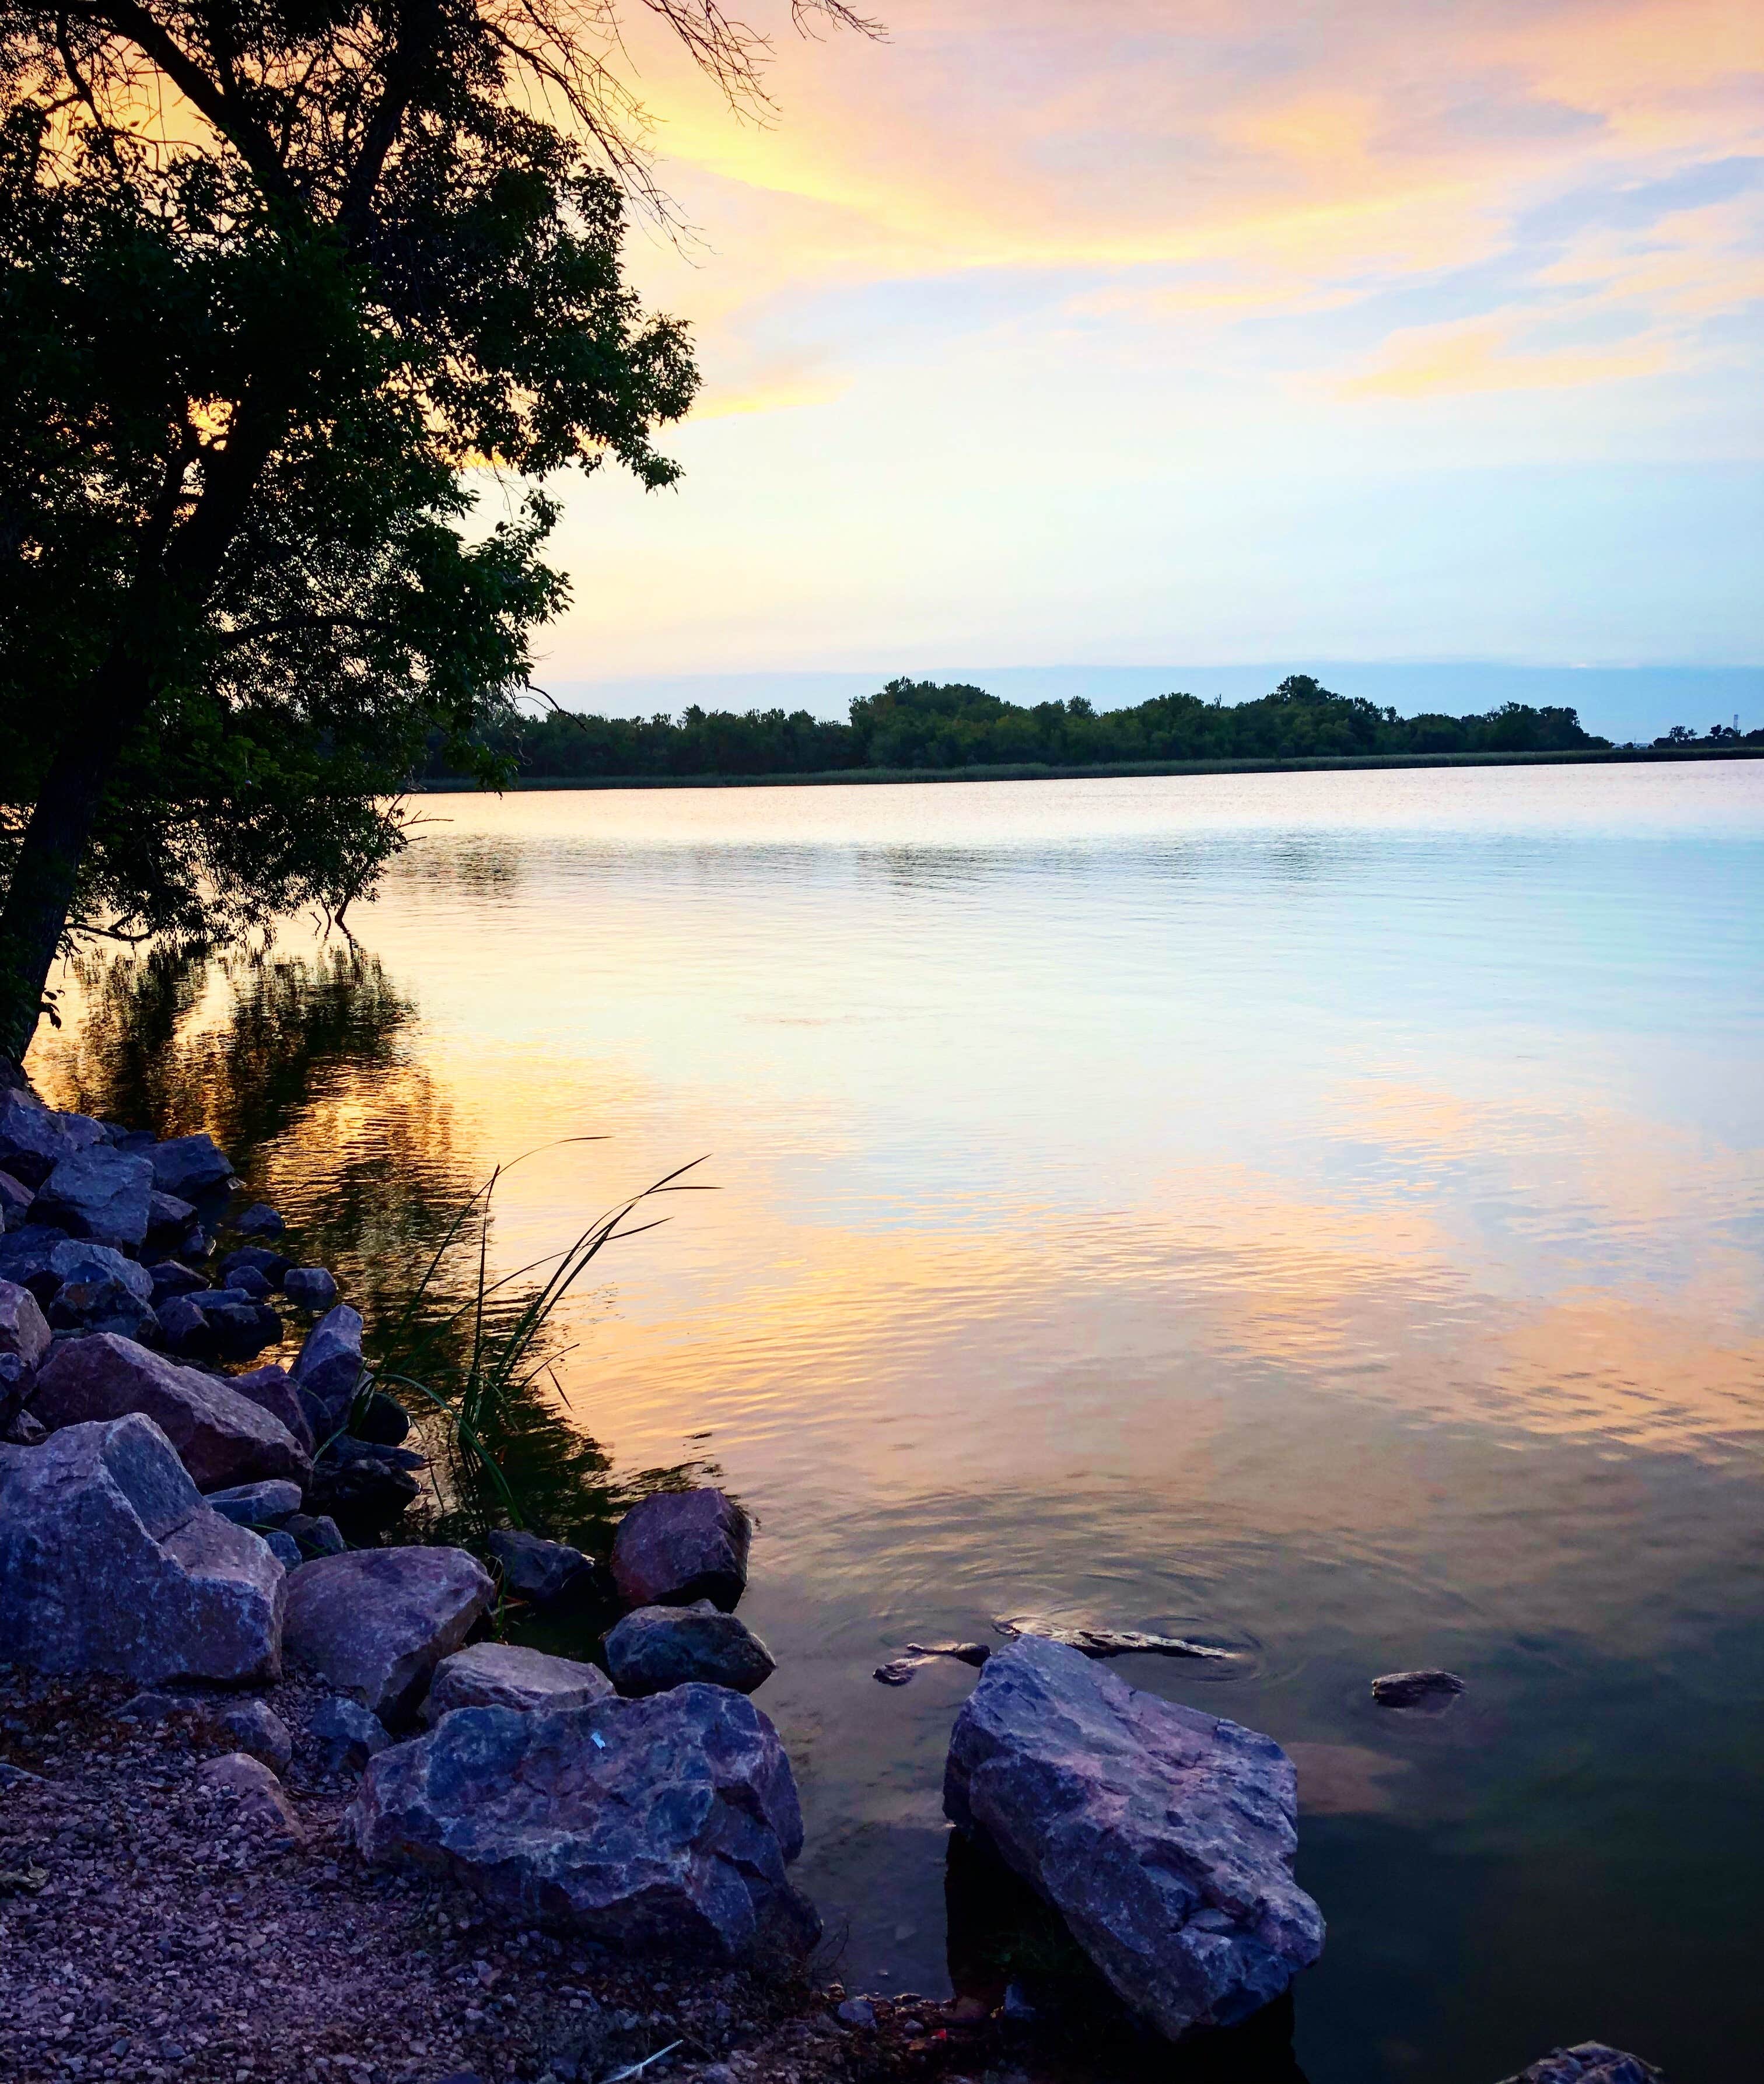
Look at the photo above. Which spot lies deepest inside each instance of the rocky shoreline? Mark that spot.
(275, 1802)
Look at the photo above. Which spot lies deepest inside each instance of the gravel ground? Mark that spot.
(150, 1930)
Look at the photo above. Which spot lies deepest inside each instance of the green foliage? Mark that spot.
(281, 382)
(475, 1357)
(919, 724)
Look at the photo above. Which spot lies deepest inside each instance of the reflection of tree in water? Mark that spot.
(305, 1069)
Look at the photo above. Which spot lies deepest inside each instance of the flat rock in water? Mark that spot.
(309, 1287)
(975, 1653)
(110, 1561)
(658, 1647)
(541, 1570)
(188, 1166)
(1433, 1690)
(679, 1546)
(1108, 1643)
(666, 1824)
(899, 1671)
(375, 1622)
(506, 1675)
(223, 1437)
(1164, 1836)
(1590, 2062)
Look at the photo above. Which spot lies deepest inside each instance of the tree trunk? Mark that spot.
(44, 875)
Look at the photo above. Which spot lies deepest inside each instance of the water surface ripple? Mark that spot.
(1319, 1212)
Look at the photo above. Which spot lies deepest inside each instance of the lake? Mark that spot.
(1318, 1212)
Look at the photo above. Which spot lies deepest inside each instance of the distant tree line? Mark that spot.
(1717, 735)
(921, 725)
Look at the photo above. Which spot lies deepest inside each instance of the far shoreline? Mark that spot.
(1037, 771)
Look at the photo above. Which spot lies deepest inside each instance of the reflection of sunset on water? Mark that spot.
(1321, 1210)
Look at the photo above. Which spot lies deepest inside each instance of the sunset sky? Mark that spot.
(1122, 333)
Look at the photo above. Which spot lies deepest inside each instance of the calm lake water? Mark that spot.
(1319, 1212)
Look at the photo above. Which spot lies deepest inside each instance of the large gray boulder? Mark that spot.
(24, 1330)
(100, 1192)
(507, 1674)
(375, 1622)
(1588, 2062)
(1164, 1836)
(665, 1823)
(657, 1647)
(224, 1438)
(679, 1546)
(110, 1561)
(34, 1139)
(189, 1166)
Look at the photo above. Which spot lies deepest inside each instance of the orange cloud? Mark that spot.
(1481, 358)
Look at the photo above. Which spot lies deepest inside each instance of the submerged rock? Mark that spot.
(899, 1671)
(259, 1220)
(1433, 1690)
(658, 1647)
(223, 1437)
(1589, 2062)
(375, 1622)
(110, 1561)
(506, 1675)
(1164, 1836)
(666, 1824)
(1108, 1643)
(309, 1287)
(679, 1546)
